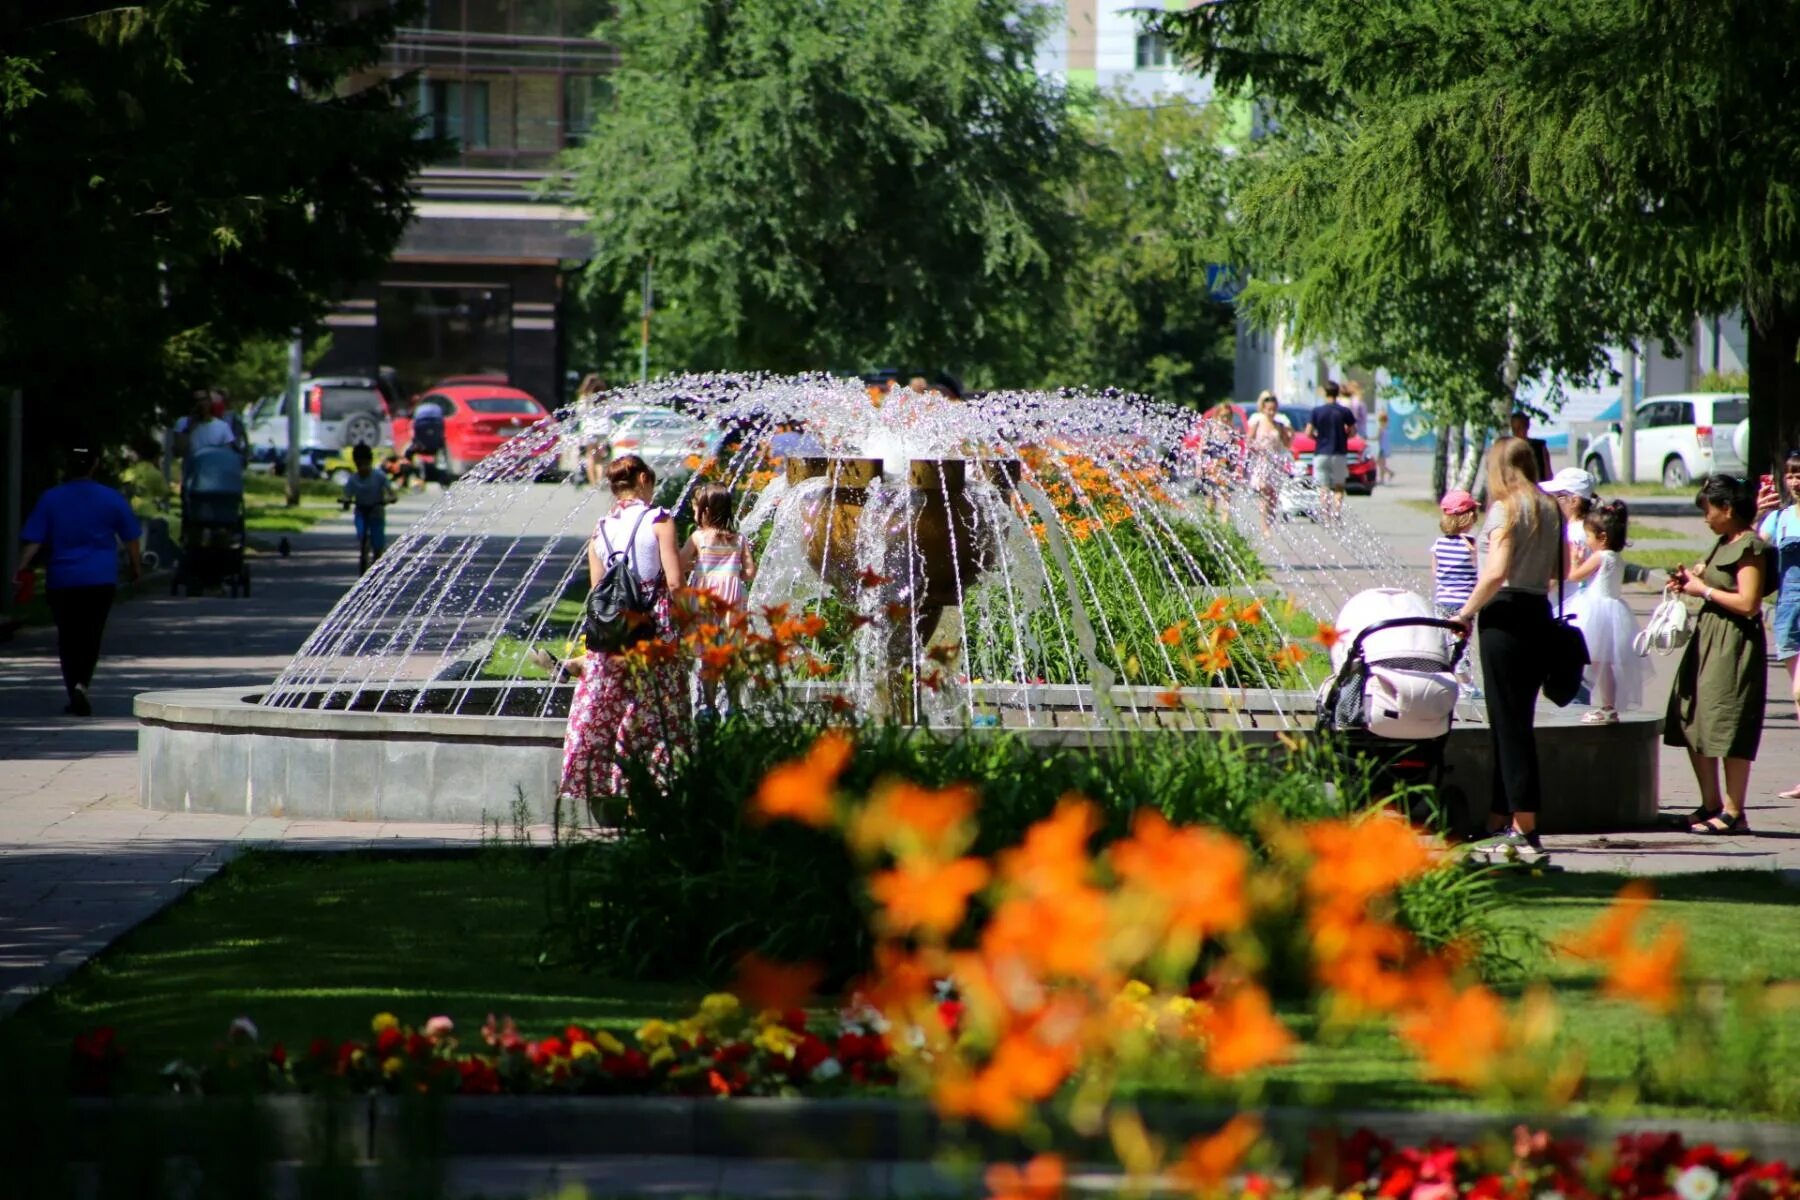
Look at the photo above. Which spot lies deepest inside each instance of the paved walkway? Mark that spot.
(80, 862)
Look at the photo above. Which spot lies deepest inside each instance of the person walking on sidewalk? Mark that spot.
(1523, 539)
(1331, 427)
(77, 527)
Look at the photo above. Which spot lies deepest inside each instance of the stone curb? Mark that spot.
(382, 1128)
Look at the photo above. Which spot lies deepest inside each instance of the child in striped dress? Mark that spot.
(718, 562)
(1453, 570)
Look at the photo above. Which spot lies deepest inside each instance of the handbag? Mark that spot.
(1565, 649)
(1670, 628)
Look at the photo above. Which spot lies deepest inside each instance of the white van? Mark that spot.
(1678, 439)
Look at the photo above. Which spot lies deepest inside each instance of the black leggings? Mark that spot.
(80, 615)
(1513, 629)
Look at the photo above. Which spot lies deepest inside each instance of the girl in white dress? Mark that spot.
(1614, 673)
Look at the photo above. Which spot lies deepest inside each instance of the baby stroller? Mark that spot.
(212, 524)
(1392, 697)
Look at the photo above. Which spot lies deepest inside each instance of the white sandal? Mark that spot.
(1600, 716)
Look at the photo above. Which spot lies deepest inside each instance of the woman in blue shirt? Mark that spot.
(76, 528)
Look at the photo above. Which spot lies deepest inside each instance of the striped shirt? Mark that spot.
(1453, 565)
(719, 567)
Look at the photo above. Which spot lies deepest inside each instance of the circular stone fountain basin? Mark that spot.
(475, 752)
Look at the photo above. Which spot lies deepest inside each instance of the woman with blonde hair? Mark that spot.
(1522, 547)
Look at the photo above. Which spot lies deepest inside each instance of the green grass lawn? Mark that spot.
(1741, 927)
(311, 946)
(1662, 560)
(315, 945)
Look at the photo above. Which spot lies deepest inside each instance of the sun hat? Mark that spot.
(1570, 481)
(1456, 502)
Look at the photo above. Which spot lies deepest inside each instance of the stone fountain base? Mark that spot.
(410, 759)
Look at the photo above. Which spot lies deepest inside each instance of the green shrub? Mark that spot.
(689, 885)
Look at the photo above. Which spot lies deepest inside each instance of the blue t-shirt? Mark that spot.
(80, 525)
(1333, 423)
(1781, 529)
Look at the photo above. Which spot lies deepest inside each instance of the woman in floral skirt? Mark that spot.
(627, 706)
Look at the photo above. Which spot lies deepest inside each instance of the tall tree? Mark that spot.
(1662, 140)
(179, 177)
(832, 182)
(1137, 312)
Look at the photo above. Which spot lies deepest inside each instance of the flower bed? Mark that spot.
(720, 1050)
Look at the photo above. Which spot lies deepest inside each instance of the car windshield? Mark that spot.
(1730, 412)
(1297, 417)
(337, 403)
(516, 405)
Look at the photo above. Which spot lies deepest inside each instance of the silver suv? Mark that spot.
(336, 414)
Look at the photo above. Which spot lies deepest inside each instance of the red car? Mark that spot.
(1363, 467)
(479, 418)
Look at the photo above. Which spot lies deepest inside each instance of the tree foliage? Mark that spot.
(1136, 312)
(1656, 144)
(177, 178)
(832, 182)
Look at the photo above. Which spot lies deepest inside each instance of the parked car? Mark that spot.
(663, 438)
(1363, 467)
(1678, 439)
(337, 413)
(479, 418)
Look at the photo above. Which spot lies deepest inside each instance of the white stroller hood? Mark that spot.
(1404, 688)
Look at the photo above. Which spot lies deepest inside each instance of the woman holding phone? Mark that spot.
(1779, 525)
(1716, 707)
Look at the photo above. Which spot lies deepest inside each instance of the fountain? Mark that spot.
(1037, 561)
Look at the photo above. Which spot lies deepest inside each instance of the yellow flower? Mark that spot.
(608, 1042)
(664, 1053)
(719, 1006)
(1137, 989)
(393, 1066)
(583, 1050)
(653, 1033)
(778, 1040)
(384, 1022)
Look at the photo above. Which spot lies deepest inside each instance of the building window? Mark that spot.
(427, 332)
(1152, 49)
(584, 97)
(457, 110)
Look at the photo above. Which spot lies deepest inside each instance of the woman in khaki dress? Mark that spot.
(1716, 706)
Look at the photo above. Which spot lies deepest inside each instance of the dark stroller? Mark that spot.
(212, 524)
(1393, 698)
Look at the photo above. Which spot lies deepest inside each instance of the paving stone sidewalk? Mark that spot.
(80, 862)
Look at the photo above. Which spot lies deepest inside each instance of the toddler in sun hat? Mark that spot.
(1453, 569)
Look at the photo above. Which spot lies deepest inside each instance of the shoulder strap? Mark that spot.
(1562, 552)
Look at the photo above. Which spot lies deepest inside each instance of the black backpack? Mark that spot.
(619, 603)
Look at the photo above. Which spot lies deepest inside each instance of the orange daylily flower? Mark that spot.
(839, 705)
(802, 790)
(1197, 873)
(1222, 635)
(902, 811)
(1649, 976)
(927, 896)
(1022, 1070)
(1039, 1179)
(1357, 860)
(1243, 1033)
(1251, 613)
(1221, 608)
(1169, 698)
(1290, 655)
(1215, 661)
(764, 983)
(775, 614)
(1612, 932)
(1326, 635)
(869, 577)
(1053, 853)
(898, 612)
(1171, 636)
(1207, 1161)
(1063, 931)
(1459, 1035)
